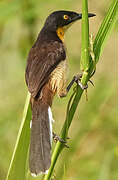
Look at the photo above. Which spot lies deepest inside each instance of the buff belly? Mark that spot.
(58, 79)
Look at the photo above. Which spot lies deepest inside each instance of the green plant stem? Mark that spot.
(85, 61)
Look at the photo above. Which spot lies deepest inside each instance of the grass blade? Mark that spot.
(17, 169)
(105, 29)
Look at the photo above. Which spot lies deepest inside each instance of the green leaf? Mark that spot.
(105, 29)
(17, 169)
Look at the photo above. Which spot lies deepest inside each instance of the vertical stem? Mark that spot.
(84, 63)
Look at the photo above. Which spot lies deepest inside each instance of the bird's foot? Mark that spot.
(77, 79)
(57, 138)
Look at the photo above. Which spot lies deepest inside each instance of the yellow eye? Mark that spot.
(65, 17)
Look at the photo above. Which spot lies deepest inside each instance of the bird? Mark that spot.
(46, 76)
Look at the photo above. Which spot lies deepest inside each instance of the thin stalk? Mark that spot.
(85, 62)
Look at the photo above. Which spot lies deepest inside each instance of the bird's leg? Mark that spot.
(77, 79)
(57, 138)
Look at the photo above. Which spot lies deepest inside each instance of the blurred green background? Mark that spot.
(93, 152)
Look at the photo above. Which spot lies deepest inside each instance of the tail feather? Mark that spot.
(41, 132)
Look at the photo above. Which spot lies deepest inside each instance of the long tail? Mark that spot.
(41, 136)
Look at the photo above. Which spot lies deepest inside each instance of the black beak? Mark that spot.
(91, 15)
(79, 16)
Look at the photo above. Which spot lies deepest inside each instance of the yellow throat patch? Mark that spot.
(60, 33)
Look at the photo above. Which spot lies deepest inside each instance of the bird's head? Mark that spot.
(59, 21)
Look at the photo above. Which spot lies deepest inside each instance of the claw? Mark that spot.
(77, 79)
(83, 87)
(65, 145)
(91, 82)
(57, 138)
